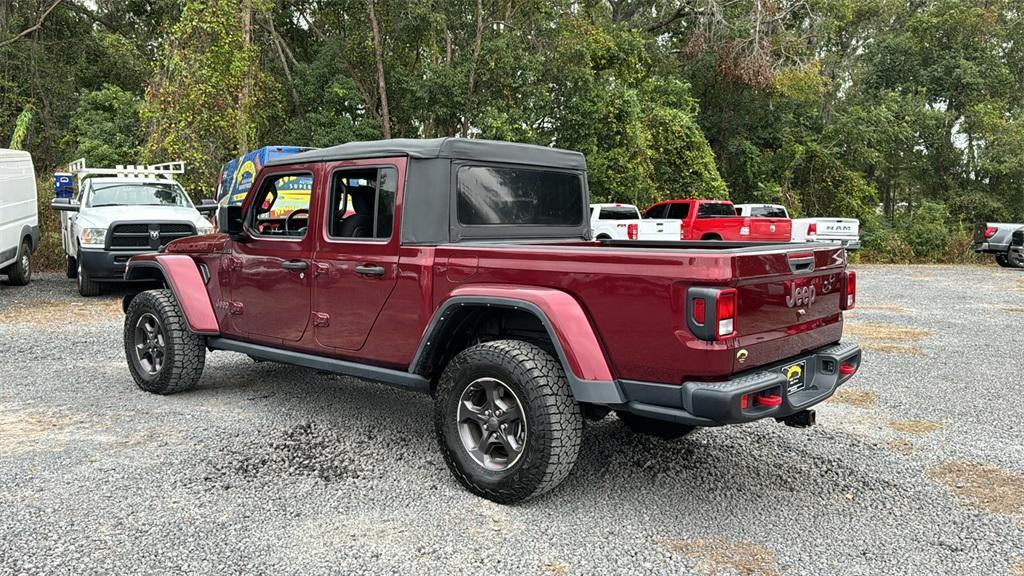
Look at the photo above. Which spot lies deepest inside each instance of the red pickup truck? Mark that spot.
(465, 269)
(718, 220)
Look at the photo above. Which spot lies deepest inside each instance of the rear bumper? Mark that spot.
(848, 243)
(106, 265)
(989, 247)
(719, 403)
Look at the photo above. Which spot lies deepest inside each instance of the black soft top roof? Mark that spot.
(452, 148)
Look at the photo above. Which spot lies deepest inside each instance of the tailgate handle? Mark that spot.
(801, 263)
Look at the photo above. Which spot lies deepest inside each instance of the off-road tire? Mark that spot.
(86, 286)
(71, 267)
(20, 273)
(185, 352)
(553, 419)
(654, 427)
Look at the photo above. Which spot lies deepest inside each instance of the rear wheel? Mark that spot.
(653, 427)
(506, 421)
(711, 237)
(86, 286)
(20, 273)
(164, 357)
(1003, 260)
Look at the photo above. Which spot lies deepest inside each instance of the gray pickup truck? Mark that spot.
(995, 238)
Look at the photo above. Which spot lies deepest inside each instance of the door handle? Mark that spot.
(370, 270)
(294, 265)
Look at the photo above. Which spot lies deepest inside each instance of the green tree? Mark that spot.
(106, 128)
(209, 93)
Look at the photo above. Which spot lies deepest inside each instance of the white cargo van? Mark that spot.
(19, 220)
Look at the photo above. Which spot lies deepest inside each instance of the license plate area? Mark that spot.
(796, 377)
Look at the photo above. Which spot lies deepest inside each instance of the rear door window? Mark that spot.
(768, 212)
(678, 211)
(712, 210)
(489, 195)
(619, 213)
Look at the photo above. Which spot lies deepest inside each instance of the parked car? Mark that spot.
(466, 272)
(623, 222)
(1015, 257)
(718, 220)
(19, 218)
(994, 238)
(120, 212)
(845, 231)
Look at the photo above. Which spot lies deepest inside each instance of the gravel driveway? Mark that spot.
(917, 467)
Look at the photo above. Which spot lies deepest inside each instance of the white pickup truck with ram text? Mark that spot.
(845, 231)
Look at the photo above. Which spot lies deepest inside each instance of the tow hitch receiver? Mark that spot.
(802, 419)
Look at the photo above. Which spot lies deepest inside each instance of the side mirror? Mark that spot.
(229, 221)
(207, 206)
(64, 205)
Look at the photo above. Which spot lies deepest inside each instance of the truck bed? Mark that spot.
(635, 292)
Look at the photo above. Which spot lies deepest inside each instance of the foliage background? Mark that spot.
(906, 115)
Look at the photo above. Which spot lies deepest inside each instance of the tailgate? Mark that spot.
(770, 228)
(789, 303)
(659, 229)
(841, 228)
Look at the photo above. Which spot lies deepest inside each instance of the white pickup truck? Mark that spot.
(623, 222)
(845, 231)
(120, 212)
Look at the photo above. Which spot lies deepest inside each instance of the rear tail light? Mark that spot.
(990, 231)
(633, 231)
(711, 313)
(848, 291)
(812, 229)
(726, 313)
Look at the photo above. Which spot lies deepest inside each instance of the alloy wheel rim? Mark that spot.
(25, 263)
(491, 424)
(150, 344)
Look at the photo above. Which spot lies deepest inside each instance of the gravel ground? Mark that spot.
(916, 468)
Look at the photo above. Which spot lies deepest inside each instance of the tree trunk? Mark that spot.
(471, 87)
(242, 130)
(378, 56)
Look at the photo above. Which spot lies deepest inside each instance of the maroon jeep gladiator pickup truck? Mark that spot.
(465, 269)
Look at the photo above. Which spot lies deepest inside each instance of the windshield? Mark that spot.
(711, 210)
(140, 194)
(768, 212)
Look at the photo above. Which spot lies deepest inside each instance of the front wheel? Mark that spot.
(20, 273)
(164, 357)
(86, 286)
(506, 421)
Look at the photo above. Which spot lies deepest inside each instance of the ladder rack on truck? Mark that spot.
(164, 170)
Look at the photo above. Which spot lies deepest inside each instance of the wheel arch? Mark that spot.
(30, 233)
(561, 318)
(183, 277)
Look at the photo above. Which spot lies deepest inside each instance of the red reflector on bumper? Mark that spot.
(846, 369)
